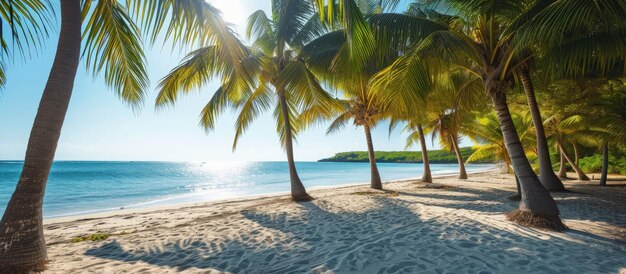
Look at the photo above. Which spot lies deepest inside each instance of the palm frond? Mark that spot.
(218, 103)
(359, 35)
(113, 45)
(303, 87)
(339, 123)
(260, 29)
(183, 22)
(29, 22)
(259, 101)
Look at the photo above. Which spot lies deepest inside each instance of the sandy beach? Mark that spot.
(458, 226)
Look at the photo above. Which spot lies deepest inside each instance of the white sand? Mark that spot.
(454, 230)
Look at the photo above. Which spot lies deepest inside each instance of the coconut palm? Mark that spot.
(454, 97)
(363, 109)
(417, 134)
(564, 129)
(613, 122)
(444, 113)
(446, 126)
(485, 131)
(278, 77)
(589, 114)
(490, 40)
(112, 46)
(482, 38)
(327, 57)
(546, 174)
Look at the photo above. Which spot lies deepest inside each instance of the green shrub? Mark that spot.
(593, 164)
(93, 237)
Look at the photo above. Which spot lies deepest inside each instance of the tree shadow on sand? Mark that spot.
(390, 237)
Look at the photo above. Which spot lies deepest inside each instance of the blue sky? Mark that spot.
(99, 126)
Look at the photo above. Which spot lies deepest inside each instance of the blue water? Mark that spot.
(87, 187)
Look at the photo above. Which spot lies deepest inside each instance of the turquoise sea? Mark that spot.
(78, 187)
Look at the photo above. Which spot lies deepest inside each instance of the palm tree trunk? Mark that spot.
(546, 175)
(576, 155)
(23, 246)
(298, 192)
(605, 163)
(537, 208)
(517, 196)
(562, 166)
(580, 173)
(519, 189)
(459, 158)
(375, 177)
(427, 177)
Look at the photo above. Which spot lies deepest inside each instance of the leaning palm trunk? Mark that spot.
(427, 177)
(576, 155)
(605, 163)
(375, 177)
(518, 195)
(546, 175)
(298, 193)
(562, 166)
(537, 208)
(459, 158)
(580, 173)
(23, 246)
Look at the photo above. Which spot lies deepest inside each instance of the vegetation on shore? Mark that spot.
(434, 156)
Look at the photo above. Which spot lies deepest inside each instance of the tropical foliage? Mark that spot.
(435, 156)
(434, 68)
(272, 74)
(109, 36)
(29, 22)
(485, 131)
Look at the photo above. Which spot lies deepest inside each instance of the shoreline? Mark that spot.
(153, 208)
(411, 227)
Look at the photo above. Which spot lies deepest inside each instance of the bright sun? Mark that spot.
(232, 10)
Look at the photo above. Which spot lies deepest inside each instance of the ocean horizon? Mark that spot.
(84, 187)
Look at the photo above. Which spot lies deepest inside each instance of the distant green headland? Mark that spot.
(435, 156)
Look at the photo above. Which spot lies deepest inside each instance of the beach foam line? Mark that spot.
(143, 209)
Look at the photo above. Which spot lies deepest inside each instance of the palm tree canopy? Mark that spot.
(491, 39)
(252, 82)
(114, 31)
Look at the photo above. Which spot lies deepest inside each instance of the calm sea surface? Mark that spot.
(86, 187)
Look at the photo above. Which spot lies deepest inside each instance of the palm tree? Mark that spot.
(566, 128)
(113, 46)
(476, 38)
(276, 76)
(614, 124)
(329, 58)
(592, 117)
(417, 134)
(325, 56)
(486, 132)
(490, 41)
(363, 109)
(546, 174)
(447, 127)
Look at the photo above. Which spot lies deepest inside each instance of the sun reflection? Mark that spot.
(219, 174)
